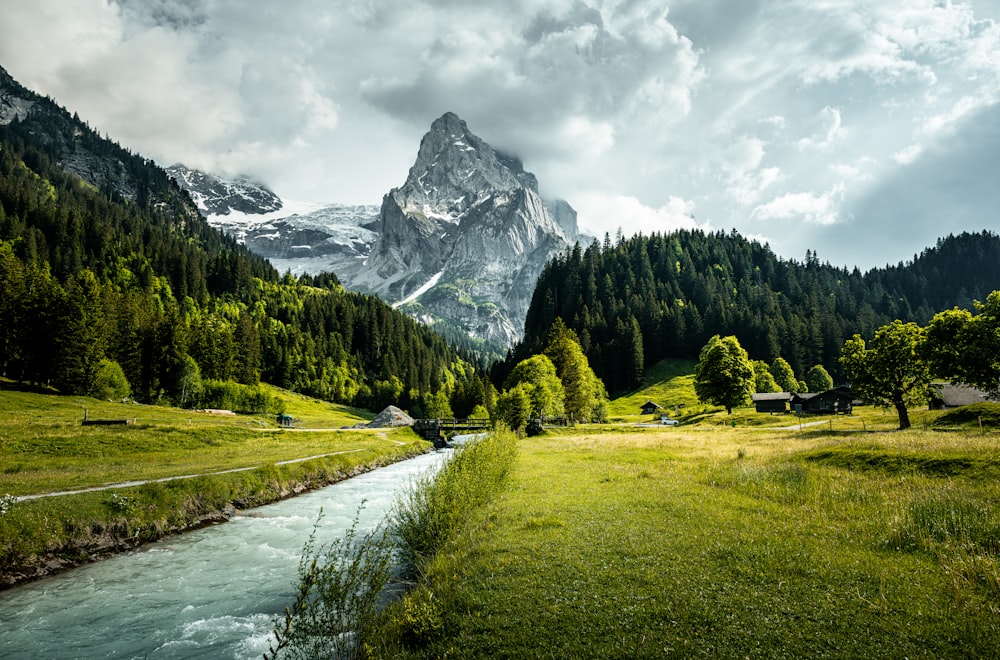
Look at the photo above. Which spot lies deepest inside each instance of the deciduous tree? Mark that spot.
(544, 386)
(724, 375)
(966, 347)
(891, 370)
(818, 379)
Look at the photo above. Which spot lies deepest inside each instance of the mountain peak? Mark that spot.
(215, 196)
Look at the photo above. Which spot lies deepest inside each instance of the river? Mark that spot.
(209, 593)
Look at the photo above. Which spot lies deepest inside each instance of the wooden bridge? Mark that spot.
(434, 429)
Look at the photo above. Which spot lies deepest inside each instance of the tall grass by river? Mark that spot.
(334, 614)
(723, 543)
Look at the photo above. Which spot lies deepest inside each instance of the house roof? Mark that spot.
(651, 404)
(953, 395)
(771, 396)
(842, 392)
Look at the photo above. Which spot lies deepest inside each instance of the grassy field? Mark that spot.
(725, 542)
(245, 460)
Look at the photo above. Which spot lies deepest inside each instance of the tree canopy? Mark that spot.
(584, 393)
(545, 389)
(724, 375)
(966, 347)
(891, 369)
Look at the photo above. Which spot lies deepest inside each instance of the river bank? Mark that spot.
(91, 526)
(217, 592)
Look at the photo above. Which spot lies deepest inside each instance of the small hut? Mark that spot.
(650, 408)
(771, 402)
(285, 420)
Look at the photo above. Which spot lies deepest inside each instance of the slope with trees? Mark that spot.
(637, 301)
(119, 271)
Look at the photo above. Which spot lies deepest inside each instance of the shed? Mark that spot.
(285, 420)
(835, 401)
(771, 402)
(650, 408)
(950, 395)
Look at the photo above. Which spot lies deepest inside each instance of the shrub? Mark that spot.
(338, 595)
(438, 505)
(7, 503)
(110, 383)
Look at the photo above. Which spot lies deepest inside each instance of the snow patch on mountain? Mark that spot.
(424, 288)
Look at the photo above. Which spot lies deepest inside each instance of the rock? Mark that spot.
(391, 417)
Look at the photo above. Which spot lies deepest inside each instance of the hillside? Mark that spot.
(663, 296)
(109, 265)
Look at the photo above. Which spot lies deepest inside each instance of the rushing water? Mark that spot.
(210, 593)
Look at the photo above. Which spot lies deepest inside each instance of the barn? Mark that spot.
(771, 402)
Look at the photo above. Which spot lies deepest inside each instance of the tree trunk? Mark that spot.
(904, 417)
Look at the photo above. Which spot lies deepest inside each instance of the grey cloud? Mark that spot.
(951, 188)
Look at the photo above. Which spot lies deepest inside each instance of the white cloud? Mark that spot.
(813, 208)
(600, 214)
(750, 118)
(832, 132)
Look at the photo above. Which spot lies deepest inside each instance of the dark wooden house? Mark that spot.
(650, 408)
(771, 402)
(831, 402)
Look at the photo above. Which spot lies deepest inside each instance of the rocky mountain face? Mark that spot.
(459, 244)
(78, 149)
(463, 240)
(309, 238)
(216, 196)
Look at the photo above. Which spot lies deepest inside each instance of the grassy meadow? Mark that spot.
(723, 542)
(246, 460)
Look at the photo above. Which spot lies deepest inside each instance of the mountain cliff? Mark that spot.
(303, 238)
(461, 243)
(215, 196)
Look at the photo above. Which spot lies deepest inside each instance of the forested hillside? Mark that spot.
(119, 267)
(646, 298)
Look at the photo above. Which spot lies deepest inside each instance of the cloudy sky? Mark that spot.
(861, 130)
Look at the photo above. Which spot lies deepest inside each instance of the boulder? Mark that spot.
(389, 418)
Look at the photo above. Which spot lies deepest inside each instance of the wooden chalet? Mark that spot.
(831, 402)
(650, 408)
(771, 402)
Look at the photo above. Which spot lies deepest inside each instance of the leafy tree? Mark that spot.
(763, 380)
(544, 386)
(479, 412)
(514, 406)
(583, 390)
(437, 406)
(724, 375)
(784, 376)
(818, 379)
(188, 382)
(891, 370)
(110, 382)
(965, 347)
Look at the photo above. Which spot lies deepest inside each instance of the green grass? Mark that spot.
(985, 415)
(669, 383)
(723, 543)
(45, 449)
